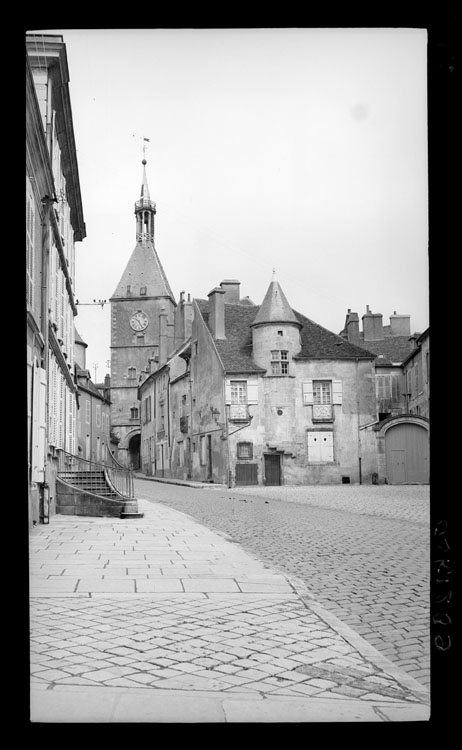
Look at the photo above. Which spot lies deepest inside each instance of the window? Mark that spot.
(427, 366)
(140, 339)
(134, 412)
(238, 391)
(322, 393)
(142, 291)
(98, 415)
(244, 451)
(87, 411)
(321, 447)
(279, 362)
(131, 372)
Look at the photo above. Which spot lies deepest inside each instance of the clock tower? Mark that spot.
(142, 306)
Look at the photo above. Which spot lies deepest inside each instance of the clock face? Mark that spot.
(139, 321)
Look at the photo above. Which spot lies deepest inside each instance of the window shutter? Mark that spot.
(228, 391)
(252, 391)
(307, 392)
(327, 446)
(336, 391)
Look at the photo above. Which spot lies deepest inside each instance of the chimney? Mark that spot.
(217, 312)
(352, 327)
(162, 337)
(231, 289)
(372, 326)
(400, 325)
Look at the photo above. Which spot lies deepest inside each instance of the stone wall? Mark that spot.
(76, 502)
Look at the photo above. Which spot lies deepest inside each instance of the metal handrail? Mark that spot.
(120, 477)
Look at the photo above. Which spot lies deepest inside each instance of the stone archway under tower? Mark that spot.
(129, 450)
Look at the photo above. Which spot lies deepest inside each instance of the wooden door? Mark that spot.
(272, 469)
(407, 454)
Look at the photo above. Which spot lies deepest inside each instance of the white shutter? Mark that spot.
(336, 391)
(327, 446)
(228, 391)
(252, 391)
(307, 392)
(314, 447)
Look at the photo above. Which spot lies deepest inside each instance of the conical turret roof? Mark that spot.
(275, 308)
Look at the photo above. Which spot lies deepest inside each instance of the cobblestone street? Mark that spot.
(362, 551)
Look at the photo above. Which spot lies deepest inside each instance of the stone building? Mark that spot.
(417, 376)
(94, 410)
(260, 395)
(402, 383)
(54, 223)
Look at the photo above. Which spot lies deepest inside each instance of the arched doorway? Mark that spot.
(134, 452)
(407, 454)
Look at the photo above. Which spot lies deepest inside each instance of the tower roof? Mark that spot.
(275, 307)
(144, 269)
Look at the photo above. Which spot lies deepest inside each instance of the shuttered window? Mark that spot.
(321, 446)
(322, 392)
(30, 244)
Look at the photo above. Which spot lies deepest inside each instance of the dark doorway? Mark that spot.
(134, 452)
(272, 469)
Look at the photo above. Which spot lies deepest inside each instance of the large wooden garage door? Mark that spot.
(246, 474)
(407, 454)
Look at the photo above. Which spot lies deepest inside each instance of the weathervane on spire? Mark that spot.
(274, 273)
(144, 149)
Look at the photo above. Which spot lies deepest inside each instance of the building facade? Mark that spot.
(261, 395)
(142, 324)
(93, 412)
(54, 223)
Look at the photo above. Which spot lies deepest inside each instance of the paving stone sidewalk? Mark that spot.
(132, 618)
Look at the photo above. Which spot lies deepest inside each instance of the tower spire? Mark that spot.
(145, 209)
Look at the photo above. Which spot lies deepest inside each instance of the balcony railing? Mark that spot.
(117, 475)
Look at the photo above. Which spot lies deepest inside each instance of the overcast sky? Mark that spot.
(302, 150)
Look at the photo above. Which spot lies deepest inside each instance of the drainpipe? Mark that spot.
(190, 457)
(226, 430)
(359, 426)
(45, 224)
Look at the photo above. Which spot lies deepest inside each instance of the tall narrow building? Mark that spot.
(142, 322)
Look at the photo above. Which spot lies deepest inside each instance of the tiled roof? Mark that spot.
(394, 349)
(236, 350)
(320, 343)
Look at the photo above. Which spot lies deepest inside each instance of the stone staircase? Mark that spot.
(90, 481)
(84, 488)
